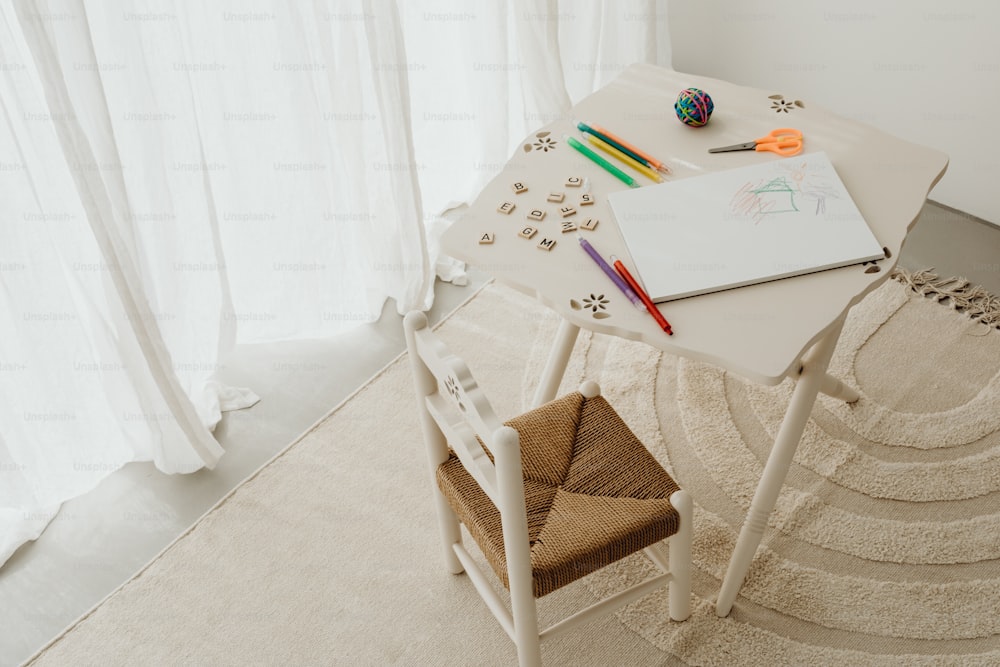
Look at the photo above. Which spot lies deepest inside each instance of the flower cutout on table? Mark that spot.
(453, 388)
(543, 142)
(781, 105)
(595, 303)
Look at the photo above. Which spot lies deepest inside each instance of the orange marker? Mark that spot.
(653, 162)
(637, 288)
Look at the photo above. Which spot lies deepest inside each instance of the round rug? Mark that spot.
(884, 546)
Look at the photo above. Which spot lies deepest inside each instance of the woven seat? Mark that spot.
(593, 493)
(549, 496)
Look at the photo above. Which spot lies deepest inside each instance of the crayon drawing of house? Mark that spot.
(765, 198)
(775, 196)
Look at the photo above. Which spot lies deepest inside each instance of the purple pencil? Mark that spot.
(611, 273)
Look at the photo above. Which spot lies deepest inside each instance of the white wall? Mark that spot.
(926, 71)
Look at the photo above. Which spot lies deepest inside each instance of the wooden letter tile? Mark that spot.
(574, 182)
(567, 211)
(556, 196)
(590, 224)
(487, 237)
(527, 232)
(518, 188)
(568, 226)
(546, 244)
(537, 215)
(506, 207)
(586, 200)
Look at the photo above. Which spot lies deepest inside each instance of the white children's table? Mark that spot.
(766, 332)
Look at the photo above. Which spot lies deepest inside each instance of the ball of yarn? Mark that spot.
(694, 107)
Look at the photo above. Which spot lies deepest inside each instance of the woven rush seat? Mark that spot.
(594, 494)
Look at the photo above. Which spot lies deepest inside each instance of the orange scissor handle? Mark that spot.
(784, 141)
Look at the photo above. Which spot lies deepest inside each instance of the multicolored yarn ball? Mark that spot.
(694, 107)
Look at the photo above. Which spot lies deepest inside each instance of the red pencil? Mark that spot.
(637, 288)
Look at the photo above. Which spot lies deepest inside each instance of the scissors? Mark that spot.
(784, 141)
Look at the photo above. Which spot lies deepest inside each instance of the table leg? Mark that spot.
(834, 388)
(811, 379)
(555, 366)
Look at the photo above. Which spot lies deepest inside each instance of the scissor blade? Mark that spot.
(748, 146)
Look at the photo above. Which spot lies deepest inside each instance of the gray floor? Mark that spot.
(100, 539)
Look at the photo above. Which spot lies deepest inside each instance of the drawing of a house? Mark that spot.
(775, 196)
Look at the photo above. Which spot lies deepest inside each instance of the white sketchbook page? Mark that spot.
(742, 226)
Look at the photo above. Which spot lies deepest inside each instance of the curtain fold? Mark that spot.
(180, 178)
(536, 25)
(89, 385)
(387, 53)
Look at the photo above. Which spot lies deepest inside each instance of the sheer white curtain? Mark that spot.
(483, 75)
(178, 178)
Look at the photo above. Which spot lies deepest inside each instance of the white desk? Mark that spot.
(767, 332)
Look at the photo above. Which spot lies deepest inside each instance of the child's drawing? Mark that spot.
(779, 194)
(764, 198)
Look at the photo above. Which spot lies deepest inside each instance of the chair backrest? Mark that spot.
(456, 414)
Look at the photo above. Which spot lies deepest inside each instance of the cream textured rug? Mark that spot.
(884, 549)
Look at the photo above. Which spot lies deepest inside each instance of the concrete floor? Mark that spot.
(99, 540)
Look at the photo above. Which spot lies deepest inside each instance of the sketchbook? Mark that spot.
(742, 226)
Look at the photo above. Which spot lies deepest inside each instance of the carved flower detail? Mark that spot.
(595, 303)
(453, 388)
(545, 145)
(543, 142)
(781, 105)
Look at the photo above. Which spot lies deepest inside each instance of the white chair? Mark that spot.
(549, 496)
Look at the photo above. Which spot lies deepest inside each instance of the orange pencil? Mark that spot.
(637, 288)
(653, 162)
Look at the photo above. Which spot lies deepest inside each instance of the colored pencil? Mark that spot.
(641, 293)
(630, 161)
(624, 146)
(610, 273)
(597, 159)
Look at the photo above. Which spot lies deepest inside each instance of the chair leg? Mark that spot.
(451, 532)
(680, 558)
(525, 613)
